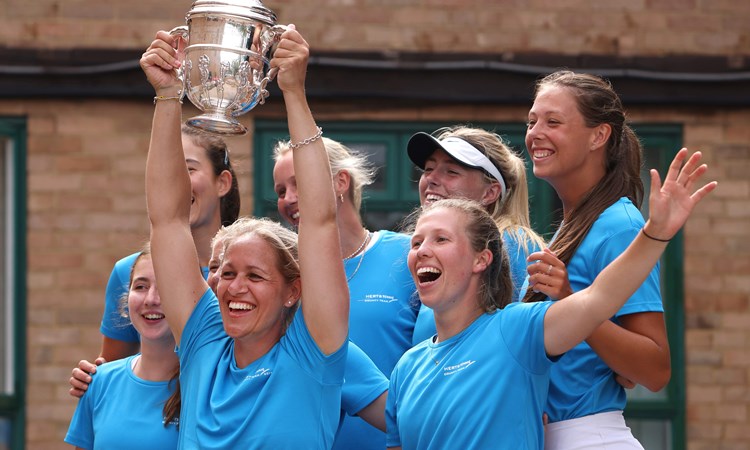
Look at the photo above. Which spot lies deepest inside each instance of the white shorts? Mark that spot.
(595, 432)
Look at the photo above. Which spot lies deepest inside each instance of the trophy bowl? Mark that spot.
(225, 70)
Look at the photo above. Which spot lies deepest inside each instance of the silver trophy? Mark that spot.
(229, 45)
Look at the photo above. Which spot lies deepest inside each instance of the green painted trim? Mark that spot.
(15, 129)
(674, 285)
(667, 140)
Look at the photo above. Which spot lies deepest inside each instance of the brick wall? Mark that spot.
(643, 27)
(717, 288)
(85, 161)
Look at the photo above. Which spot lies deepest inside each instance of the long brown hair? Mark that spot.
(217, 152)
(171, 410)
(599, 104)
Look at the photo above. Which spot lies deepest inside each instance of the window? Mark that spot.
(12, 282)
(657, 419)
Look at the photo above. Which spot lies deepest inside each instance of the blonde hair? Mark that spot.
(510, 212)
(281, 239)
(341, 158)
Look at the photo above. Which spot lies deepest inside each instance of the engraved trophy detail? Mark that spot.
(225, 70)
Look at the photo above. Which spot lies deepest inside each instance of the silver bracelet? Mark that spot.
(307, 141)
(159, 98)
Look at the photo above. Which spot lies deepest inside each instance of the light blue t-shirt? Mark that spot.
(114, 325)
(581, 383)
(363, 383)
(483, 388)
(382, 313)
(289, 398)
(425, 326)
(121, 411)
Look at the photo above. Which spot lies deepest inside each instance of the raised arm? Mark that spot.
(637, 348)
(325, 295)
(573, 319)
(168, 192)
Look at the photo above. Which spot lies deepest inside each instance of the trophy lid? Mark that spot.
(250, 9)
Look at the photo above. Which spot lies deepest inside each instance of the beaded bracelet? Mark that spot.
(643, 230)
(162, 97)
(307, 141)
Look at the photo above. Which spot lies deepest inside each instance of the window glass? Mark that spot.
(652, 434)
(376, 153)
(4, 434)
(12, 281)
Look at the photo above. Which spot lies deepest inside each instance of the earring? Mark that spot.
(341, 197)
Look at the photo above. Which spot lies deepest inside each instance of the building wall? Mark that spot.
(86, 205)
(621, 27)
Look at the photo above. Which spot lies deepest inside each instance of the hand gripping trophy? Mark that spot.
(229, 46)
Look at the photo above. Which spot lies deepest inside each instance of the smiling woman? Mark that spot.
(475, 164)
(581, 143)
(244, 347)
(141, 391)
(482, 381)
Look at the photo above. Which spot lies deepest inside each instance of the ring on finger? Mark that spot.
(549, 269)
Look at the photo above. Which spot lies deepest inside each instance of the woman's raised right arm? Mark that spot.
(168, 191)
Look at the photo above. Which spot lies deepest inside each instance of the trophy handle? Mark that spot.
(271, 39)
(181, 32)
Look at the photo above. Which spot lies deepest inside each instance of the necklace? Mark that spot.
(361, 257)
(432, 350)
(361, 246)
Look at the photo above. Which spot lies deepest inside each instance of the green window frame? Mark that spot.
(13, 316)
(663, 413)
(653, 417)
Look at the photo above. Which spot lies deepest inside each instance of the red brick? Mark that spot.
(698, 339)
(704, 358)
(698, 430)
(730, 377)
(737, 432)
(39, 125)
(82, 163)
(736, 321)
